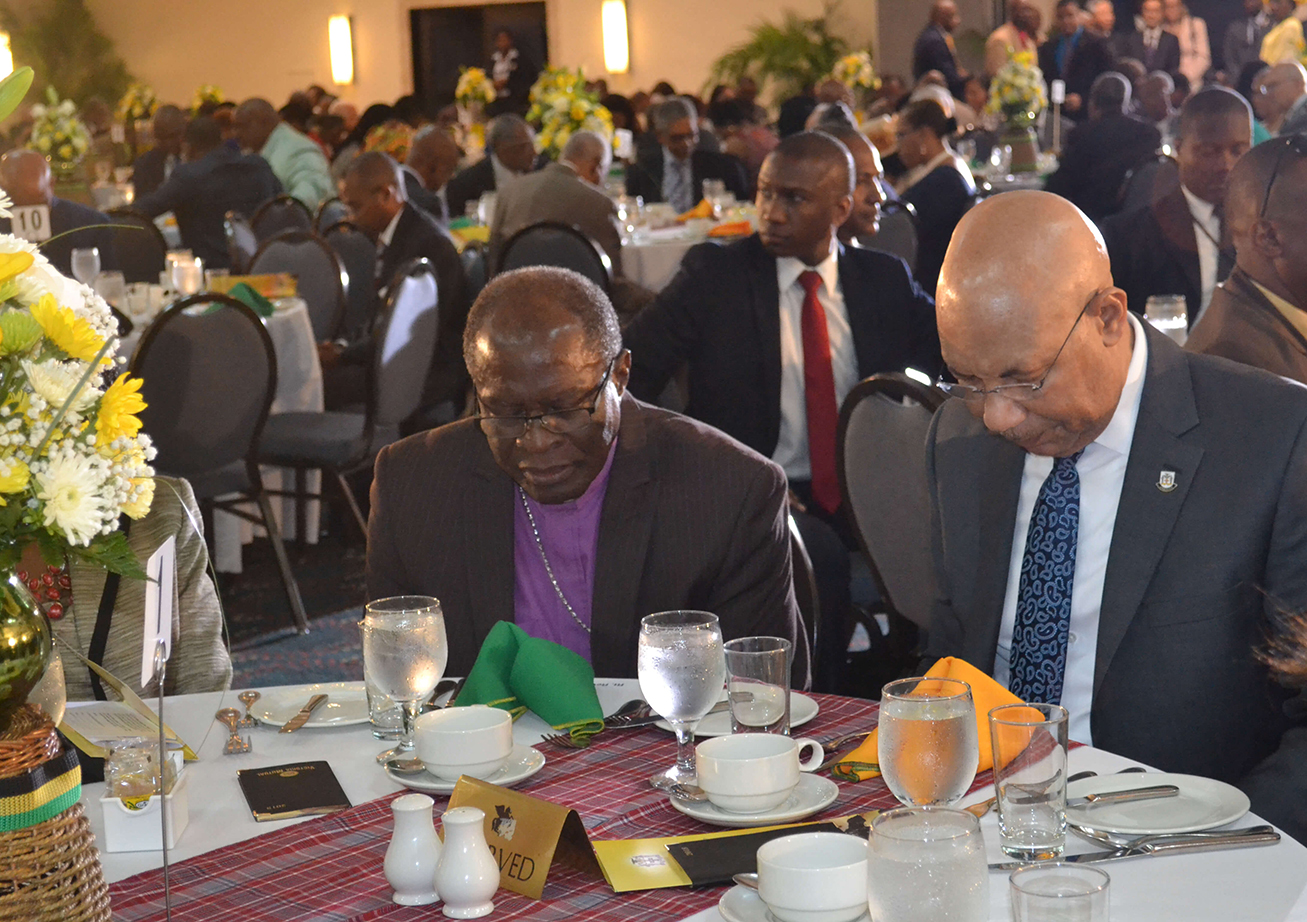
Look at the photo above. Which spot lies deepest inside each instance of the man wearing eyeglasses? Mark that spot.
(1280, 98)
(569, 507)
(1115, 522)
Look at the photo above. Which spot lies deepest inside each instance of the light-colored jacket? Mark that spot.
(300, 165)
(556, 193)
(1195, 49)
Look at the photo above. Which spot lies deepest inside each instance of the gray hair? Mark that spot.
(586, 145)
(666, 114)
(376, 169)
(505, 129)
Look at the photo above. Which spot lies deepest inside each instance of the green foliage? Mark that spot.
(113, 553)
(787, 57)
(13, 88)
(60, 40)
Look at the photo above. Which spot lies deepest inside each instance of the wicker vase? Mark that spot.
(25, 639)
(49, 870)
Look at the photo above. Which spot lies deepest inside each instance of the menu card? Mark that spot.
(713, 862)
(280, 792)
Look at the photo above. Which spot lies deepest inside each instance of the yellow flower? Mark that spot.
(66, 330)
(118, 408)
(13, 265)
(138, 507)
(14, 477)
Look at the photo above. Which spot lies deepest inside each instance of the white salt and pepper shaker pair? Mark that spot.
(462, 872)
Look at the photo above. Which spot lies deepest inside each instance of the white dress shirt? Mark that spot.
(503, 175)
(792, 446)
(1207, 231)
(1102, 472)
(383, 241)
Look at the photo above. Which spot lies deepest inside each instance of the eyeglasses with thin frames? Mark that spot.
(1018, 392)
(1294, 142)
(559, 422)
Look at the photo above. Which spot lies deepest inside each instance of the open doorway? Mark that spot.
(447, 38)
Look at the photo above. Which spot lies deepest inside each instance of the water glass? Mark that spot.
(486, 208)
(927, 744)
(1169, 314)
(111, 286)
(1059, 892)
(1030, 746)
(1000, 159)
(714, 191)
(188, 275)
(681, 669)
(404, 655)
(966, 148)
(86, 264)
(628, 213)
(758, 684)
(385, 714)
(927, 863)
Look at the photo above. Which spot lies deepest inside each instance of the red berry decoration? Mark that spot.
(55, 611)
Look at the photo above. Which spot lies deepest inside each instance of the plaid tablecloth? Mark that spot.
(330, 869)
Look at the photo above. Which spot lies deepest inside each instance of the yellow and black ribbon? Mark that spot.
(45, 791)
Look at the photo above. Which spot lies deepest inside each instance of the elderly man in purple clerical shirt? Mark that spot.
(571, 508)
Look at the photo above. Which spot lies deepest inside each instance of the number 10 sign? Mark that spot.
(32, 222)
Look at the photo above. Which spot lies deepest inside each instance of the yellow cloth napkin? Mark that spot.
(861, 763)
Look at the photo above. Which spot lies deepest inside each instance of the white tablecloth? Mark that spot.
(652, 257)
(1252, 885)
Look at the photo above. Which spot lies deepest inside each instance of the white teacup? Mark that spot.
(475, 740)
(752, 772)
(814, 877)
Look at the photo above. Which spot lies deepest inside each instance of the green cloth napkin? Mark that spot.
(516, 671)
(256, 302)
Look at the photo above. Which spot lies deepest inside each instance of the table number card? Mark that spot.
(32, 222)
(527, 835)
(161, 570)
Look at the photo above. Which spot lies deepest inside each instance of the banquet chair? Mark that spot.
(1149, 182)
(805, 586)
(319, 277)
(330, 212)
(283, 213)
(341, 442)
(241, 242)
(475, 268)
(898, 232)
(210, 375)
(882, 470)
(358, 256)
(138, 246)
(549, 243)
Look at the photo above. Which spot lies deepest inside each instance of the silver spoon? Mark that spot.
(406, 766)
(746, 880)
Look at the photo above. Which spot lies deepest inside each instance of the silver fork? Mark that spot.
(620, 718)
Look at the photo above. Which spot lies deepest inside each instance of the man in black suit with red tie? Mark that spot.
(775, 331)
(1152, 45)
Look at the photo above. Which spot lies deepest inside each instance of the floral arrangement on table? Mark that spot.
(139, 102)
(1017, 91)
(207, 94)
(475, 88)
(856, 71)
(553, 82)
(561, 116)
(392, 137)
(58, 133)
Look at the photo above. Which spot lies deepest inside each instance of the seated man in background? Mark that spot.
(432, 159)
(296, 159)
(1258, 315)
(569, 507)
(1077, 489)
(374, 194)
(869, 191)
(510, 152)
(154, 166)
(1282, 98)
(1180, 243)
(212, 181)
(25, 178)
(676, 173)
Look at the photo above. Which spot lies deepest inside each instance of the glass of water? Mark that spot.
(1059, 891)
(927, 863)
(188, 275)
(927, 744)
(404, 655)
(86, 264)
(1030, 745)
(682, 670)
(1169, 314)
(111, 286)
(758, 684)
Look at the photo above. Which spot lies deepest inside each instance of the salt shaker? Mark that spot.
(467, 875)
(414, 851)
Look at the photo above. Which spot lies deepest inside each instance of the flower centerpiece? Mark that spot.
(553, 82)
(139, 102)
(59, 134)
(474, 92)
(392, 137)
(856, 71)
(207, 94)
(1016, 95)
(562, 106)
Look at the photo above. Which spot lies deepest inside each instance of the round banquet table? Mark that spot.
(1248, 885)
(651, 258)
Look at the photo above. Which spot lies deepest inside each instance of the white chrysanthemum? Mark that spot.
(54, 381)
(6, 205)
(69, 487)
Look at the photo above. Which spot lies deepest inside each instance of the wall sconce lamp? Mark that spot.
(6, 56)
(617, 48)
(341, 42)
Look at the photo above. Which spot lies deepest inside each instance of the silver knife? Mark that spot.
(1166, 844)
(1130, 794)
(655, 718)
(302, 717)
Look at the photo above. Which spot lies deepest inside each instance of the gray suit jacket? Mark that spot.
(1193, 576)
(1241, 324)
(555, 194)
(691, 520)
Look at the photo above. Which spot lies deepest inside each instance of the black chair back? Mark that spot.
(898, 232)
(320, 279)
(405, 344)
(882, 470)
(330, 212)
(283, 213)
(210, 376)
(138, 246)
(358, 256)
(475, 269)
(242, 244)
(1150, 182)
(552, 244)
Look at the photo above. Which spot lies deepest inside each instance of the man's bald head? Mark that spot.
(25, 177)
(254, 121)
(944, 13)
(1026, 285)
(434, 156)
(1279, 87)
(819, 148)
(373, 192)
(590, 155)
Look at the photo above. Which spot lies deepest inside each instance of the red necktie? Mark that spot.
(819, 395)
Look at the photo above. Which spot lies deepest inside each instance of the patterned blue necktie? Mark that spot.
(1048, 568)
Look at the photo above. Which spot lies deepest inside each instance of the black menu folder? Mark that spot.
(280, 792)
(712, 862)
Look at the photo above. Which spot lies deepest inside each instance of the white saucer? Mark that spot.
(802, 710)
(743, 904)
(812, 795)
(1201, 804)
(522, 764)
(346, 704)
